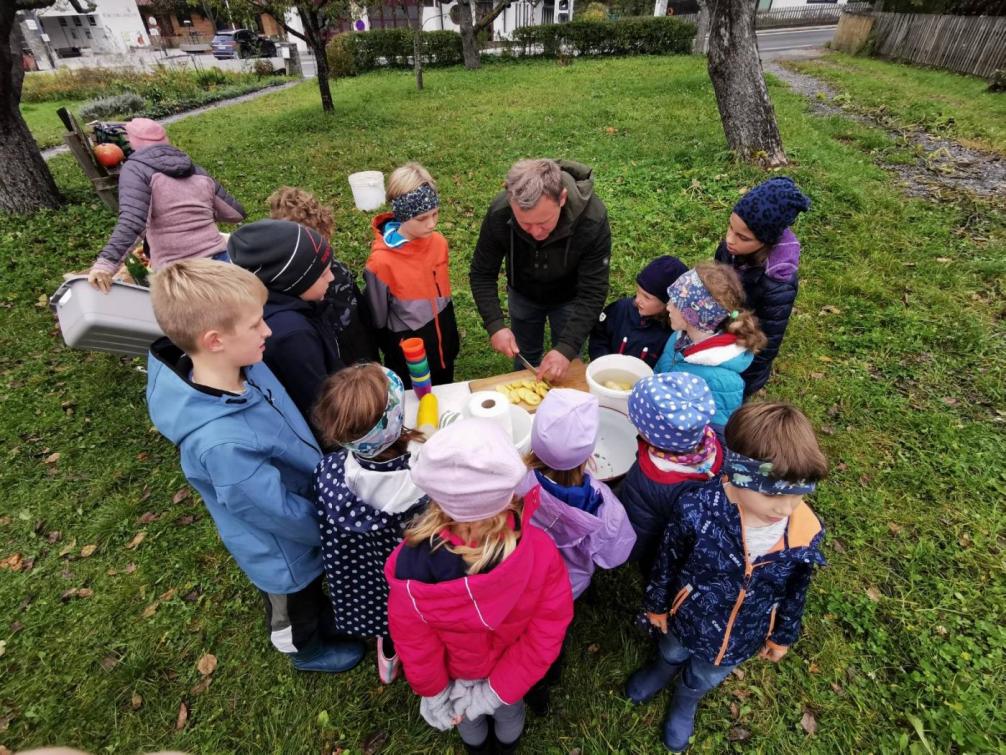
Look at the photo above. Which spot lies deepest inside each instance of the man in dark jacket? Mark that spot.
(295, 264)
(551, 232)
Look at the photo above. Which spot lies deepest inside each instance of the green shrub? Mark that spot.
(997, 82)
(628, 36)
(357, 52)
(118, 105)
(263, 68)
(594, 12)
(160, 85)
(208, 78)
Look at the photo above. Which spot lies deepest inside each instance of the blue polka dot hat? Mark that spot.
(671, 410)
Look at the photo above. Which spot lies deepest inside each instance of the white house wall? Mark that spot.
(118, 27)
(780, 4)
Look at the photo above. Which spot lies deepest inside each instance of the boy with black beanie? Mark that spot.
(295, 264)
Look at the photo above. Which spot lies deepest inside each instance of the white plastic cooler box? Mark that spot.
(121, 321)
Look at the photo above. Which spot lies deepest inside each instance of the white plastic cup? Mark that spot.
(368, 189)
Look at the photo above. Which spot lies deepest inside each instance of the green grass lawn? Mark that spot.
(940, 102)
(895, 351)
(43, 122)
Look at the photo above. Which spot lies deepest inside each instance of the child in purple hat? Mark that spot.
(761, 247)
(638, 325)
(579, 512)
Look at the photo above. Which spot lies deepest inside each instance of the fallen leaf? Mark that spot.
(192, 595)
(964, 540)
(181, 495)
(374, 742)
(137, 539)
(135, 701)
(837, 688)
(85, 592)
(53, 458)
(735, 711)
(873, 594)
(949, 400)
(841, 466)
(202, 685)
(593, 648)
(739, 673)
(738, 734)
(944, 259)
(16, 627)
(185, 521)
(109, 662)
(894, 528)
(12, 562)
(207, 664)
(5, 520)
(183, 716)
(817, 375)
(830, 309)
(112, 572)
(168, 595)
(3, 647)
(834, 410)
(808, 722)
(88, 550)
(71, 593)
(54, 537)
(145, 495)
(814, 668)
(147, 518)
(741, 693)
(143, 456)
(130, 568)
(941, 630)
(69, 548)
(150, 610)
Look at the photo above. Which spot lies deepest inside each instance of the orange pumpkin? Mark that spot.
(109, 155)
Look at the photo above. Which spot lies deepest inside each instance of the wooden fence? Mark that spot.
(966, 44)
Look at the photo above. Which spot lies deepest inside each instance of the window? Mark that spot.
(62, 20)
(87, 33)
(92, 21)
(77, 21)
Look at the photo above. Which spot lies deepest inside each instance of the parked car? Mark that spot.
(242, 43)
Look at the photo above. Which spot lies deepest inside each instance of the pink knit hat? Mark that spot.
(143, 132)
(470, 469)
(565, 428)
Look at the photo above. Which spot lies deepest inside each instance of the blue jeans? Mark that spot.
(527, 321)
(696, 673)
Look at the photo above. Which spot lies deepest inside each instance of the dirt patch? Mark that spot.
(941, 163)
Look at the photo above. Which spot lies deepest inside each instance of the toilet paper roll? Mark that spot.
(491, 405)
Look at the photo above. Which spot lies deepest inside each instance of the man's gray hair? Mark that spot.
(529, 180)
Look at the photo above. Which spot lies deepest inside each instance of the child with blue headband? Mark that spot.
(735, 562)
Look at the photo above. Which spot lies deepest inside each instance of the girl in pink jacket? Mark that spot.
(480, 599)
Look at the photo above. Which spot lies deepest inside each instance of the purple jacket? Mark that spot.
(585, 541)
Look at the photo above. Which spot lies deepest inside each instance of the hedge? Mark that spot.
(356, 52)
(627, 36)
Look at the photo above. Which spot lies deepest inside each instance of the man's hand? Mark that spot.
(659, 620)
(552, 367)
(504, 342)
(101, 280)
(773, 652)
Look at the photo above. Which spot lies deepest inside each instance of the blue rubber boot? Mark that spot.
(331, 657)
(680, 721)
(650, 680)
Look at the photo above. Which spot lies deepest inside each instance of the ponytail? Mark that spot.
(495, 538)
(724, 285)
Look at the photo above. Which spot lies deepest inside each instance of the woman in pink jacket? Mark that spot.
(480, 599)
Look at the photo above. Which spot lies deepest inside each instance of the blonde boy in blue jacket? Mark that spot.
(244, 447)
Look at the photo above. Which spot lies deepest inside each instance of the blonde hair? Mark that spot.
(406, 178)
(289, 203)
(568, 478)
(191, 297)
(723, 283)
(495, 538)
(352, 400)
(781, 434)
(528, 180)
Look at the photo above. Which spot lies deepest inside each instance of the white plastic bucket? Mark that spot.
(615, 366)
(368, 189)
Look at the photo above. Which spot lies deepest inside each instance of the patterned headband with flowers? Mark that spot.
(421, 199)
(745, 472)
(696, 304)
(389, 427)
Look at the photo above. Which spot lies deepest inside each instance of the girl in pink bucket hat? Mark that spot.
(479, 600)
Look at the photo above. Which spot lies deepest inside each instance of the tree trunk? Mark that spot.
(26, 184)
(741, 96)
(417, 47)
(701, 43)
(469, 44)
(311, 20)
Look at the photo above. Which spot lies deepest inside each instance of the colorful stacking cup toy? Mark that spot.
(419, 368)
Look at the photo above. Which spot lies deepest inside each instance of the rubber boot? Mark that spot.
(650, 680)
(538, 700)
(680, 721)
(481, 749)
(506, 749)
(332, 657)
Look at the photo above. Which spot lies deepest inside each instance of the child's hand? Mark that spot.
(659, 620)
(772, 652)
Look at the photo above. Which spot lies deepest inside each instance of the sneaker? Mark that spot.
(387, 668)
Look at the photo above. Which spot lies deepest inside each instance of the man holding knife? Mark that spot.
(551, 232)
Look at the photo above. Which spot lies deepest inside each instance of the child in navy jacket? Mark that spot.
(763, 250)
(638, 325)
(735, 562)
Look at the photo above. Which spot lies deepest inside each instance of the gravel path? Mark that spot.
(53, 151)
(941, 163)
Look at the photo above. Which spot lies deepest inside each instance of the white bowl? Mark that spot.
(615, 450)
(615, 363)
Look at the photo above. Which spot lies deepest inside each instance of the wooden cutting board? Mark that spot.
(576, 377)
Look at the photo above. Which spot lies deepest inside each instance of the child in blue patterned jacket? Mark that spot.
(735, 563)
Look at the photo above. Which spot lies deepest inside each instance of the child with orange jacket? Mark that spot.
(408, 279)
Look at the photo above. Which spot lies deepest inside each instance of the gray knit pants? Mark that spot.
(508, 723)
